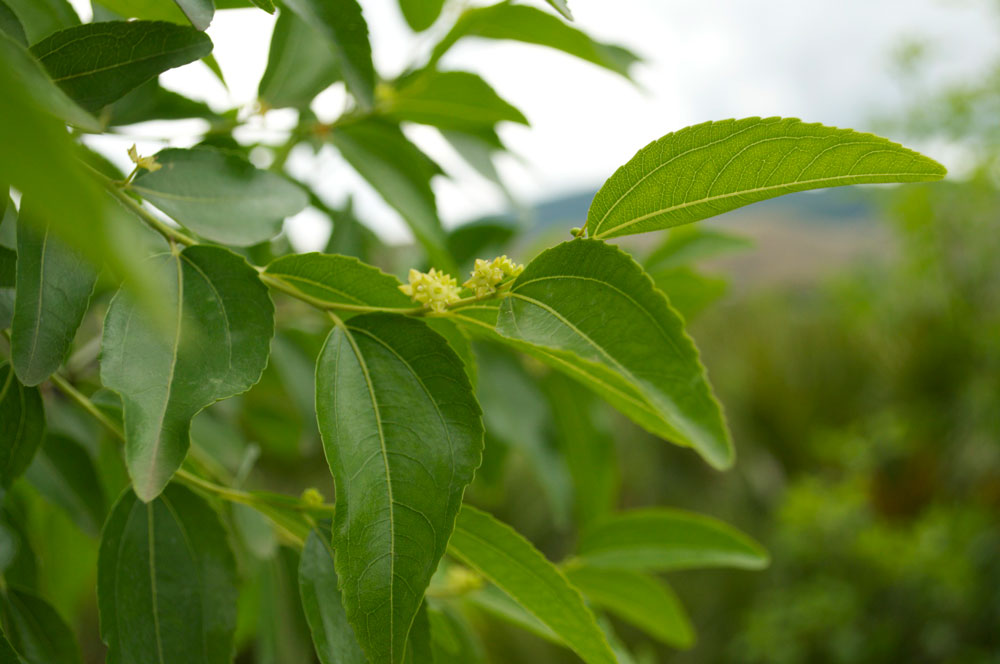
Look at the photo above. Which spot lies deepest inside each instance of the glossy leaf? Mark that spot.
(586, 300)
(199, 12)
(506, 20)
(401, 174)
(520, 570)
(661, 539)
(328, 279)
(166, 581)
(299, 64)
(343, 26)
(332, 635)
(715, 167)
(215, 345)
(454, 100)
(41, 18)
(220, 195)
(421, 14)
(23, 418)
(35, 629)
(54, 284)
(403, 436)
(63, 472)
(97, 63)
(639, 599)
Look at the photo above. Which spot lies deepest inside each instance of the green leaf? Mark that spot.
(401, 174)
(199, 12)
(715, 167)
(97, 63)
(562, 7)
(64, 473)
(11, 25)
(23, 420)
(332, 635)
(661, 539)
(534, 26)
(329, 279)
(220, 195)
(640, 599)
(421, 14)
(299, 64)
(346, 33)
(690, 292)
(7, 654)
(166, 581)
(454, 100)
(153, 10)
(54, 284)
(36, 630)
(587, 300)
(403, 435)
(418, 645)
(220, 322)
(41, 18)
(520, 570)
(452, 638)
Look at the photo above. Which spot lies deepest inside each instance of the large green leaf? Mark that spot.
(421, 14)
(637, 598)
(220, 322)
(330, 279)
(454, 100)
(534, 26)
(332, 635)
(54, 284)
(23, 418)
(588, 300)
(343, 26)
(401, 174)
(661, 539)
(711, 168)
(166, 581)
(299, 64)
(41, 18)
(64, 473)
(36, 630)
(97, 63)
(403, 435)
(220, 195)
(520, 570)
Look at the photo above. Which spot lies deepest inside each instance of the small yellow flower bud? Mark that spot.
(312, 496)
(149, 163)
(487, 274)
(435, 289)
(461, 580)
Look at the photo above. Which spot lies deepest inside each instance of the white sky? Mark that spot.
(821, 60)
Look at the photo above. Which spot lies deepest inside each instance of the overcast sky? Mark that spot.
(821, 60)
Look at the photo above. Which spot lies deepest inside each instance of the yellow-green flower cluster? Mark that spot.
(149, 163)
(487, 274)
(435, 289)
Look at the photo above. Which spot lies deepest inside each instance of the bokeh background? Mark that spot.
(853, 336)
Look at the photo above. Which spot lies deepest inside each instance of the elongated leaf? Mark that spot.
(495, 602)
(346, 33)
(658, 540)
(711, 168)
(326, 279)
(199, 12)
(589, 300)
(63, 472)
(534, 26)
(421, 14)
(401, 174)
(220, 195)
(562, 7)
(640, 599)
(36, 630)
(215, 345)
(152, 10)
(454, 100)
(11, 25)
(23, 418)
(54, 284)
(166, 581)
(299, 64)
(403, 435)
(514, 565)
(97, 63)
(41, 18)
(332, 635)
